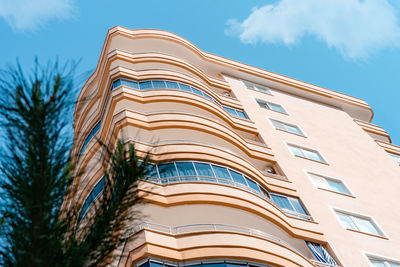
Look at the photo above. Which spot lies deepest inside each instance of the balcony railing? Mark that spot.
(275, 176)
(172, 85)
(206, 179)
(323, 264)
(256, 142)
(198, 228)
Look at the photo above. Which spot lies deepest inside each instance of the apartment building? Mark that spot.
(252, 168)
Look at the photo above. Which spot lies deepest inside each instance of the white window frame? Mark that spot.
(310, 173)
(268, 102)
(289, 144)
(335, 210)
(372, 256)
(269, 90)
(293, 212)
(289, 124)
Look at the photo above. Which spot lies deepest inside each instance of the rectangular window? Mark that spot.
(204, 169)
(185, 87)
(236, 112)
(329, 183)
(290, 205)
(257, 87)
(221, 172)
(129, 83)
(145, 85)
(159, 84)
(116, 83)
(287, 127)
(252, 184)
(237, 177)
(172, 85)
(151, 170)
(395, 157)
(242, 114)
(359, 223)
(321, 254)
(271, 106)
(185, 169)
(197, 91)
(383, 262)
(167, 170)
(306, 153)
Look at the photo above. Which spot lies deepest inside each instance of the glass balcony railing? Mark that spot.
(209, 228)
(161, 84)
(197, 171)
(166, 84)
(195, 228)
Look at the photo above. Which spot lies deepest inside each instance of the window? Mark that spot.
(271, 106)
(98, 188)
(199, 263)
(236, 112)
(329, 183)
(358, 223)
(321, 254)
(257, 87)
(221, 172)
(306, 153)
(287, 127)
(395, 157)
(92, 132)
(185, 169)
(237, 177)
(290, 205)
(379, 262)
(160, 84)
(193, 171)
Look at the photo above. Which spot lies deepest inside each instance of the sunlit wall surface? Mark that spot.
(250, 168)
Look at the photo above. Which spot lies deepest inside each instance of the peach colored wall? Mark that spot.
(326, 117)
(214, 214)
(353, 156)
(164, 47)
(208, 245)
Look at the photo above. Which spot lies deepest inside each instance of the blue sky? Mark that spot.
(350, 46)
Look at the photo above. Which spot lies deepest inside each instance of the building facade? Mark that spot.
(252, 168)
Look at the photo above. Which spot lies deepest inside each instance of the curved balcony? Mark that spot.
(119, 59)
(156, 85)
(167, 150)
(190, 125)
(136, 82)
(199, 241)
(172, 85)
(226, 197)
(152, 262)
(241, 193)
(184, 126)
(204, 172)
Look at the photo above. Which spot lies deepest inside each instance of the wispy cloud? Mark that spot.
(355, 28)
(28, 15)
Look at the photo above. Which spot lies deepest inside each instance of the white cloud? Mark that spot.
(355, 28)
(30, 14)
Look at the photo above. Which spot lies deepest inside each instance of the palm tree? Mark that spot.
(37, 175)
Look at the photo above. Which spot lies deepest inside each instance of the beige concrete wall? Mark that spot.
(214, 214)
(326, 117)
(352, 156)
